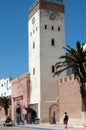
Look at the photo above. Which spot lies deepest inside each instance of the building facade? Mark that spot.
(5, 90)
(5, 86)
(68, 99)
(49, 97)
(20, 96)
(46, 41)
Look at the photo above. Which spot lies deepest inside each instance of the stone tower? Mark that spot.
(46, 39)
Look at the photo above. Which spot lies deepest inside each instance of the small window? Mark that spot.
(4, 93)
(53, 42)
(33, 20)
(45, 26)
(33, 45)
(36, 28)
(2, 85)
(53, 69)
(52, 27)
(33, 71)
(58, 28)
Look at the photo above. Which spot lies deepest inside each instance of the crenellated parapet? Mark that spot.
(45, 5)
(66, 79)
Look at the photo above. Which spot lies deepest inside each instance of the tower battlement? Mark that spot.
(66, 79)
(52, 5)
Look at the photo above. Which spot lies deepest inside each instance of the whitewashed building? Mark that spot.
(46, 42)
(5, 86)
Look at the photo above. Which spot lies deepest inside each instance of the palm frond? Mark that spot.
(59, 71)
(74, 58)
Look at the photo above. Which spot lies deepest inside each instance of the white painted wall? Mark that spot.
(49, 56)
(34, 59)
(5, 87)
(43, 85)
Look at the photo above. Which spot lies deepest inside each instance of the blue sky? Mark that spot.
(14, 32)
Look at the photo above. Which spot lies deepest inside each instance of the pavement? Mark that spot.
(45, 126)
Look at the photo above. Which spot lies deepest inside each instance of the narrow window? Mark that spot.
(33, 71)
(33, 45)
(36, 28)
(53, 42)
(53, 69)
(58, 28)
(45, 26)
(4, 93)
(52, 27)
(2, 85)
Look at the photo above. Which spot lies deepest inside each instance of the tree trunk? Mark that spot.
(6, 111)
(83, 96)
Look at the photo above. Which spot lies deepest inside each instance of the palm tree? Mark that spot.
(75, 59)
(5, 102)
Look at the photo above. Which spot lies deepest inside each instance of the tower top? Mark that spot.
(55, 1)
(53, 5)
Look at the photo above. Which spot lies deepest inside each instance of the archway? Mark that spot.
(18, 113)
(54, 113)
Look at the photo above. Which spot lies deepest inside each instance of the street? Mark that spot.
(14, 128)
(43, 127)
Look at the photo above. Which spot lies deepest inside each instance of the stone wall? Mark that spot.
(70, 98)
